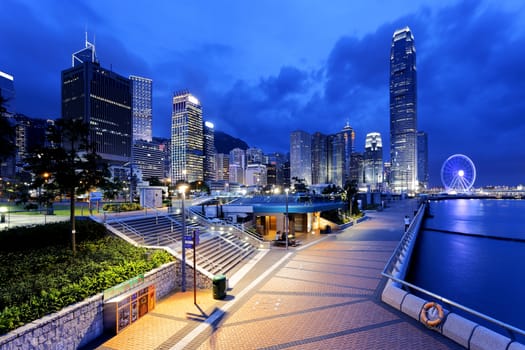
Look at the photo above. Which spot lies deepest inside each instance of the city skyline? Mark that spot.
(314, 68)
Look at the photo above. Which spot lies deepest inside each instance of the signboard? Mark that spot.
(188, 241)
(95, 196)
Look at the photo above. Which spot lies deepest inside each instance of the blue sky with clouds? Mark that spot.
(263, 69)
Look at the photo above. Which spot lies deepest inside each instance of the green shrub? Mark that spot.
(118, 207)
(45, 278)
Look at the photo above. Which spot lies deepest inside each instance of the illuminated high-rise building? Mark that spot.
(422, 159)
(301, 157)
(102, 99)
(403, 111)
(209, 151)
(141, 107)
(319, 158)
(187, 139)
(7, 91)
(373, 161)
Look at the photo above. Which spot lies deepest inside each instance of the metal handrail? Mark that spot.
(395, 257)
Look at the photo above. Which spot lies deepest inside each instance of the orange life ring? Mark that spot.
(432, 320)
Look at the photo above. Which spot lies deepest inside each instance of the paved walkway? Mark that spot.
(322, 295)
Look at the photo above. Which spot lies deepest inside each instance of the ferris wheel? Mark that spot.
(458, 173)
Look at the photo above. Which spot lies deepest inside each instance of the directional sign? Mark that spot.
(188, 241)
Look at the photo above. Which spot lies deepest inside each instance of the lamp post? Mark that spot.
(286, 223)
(182, 190)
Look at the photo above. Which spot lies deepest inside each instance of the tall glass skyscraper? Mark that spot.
(301, 157)
(209, 151)
(102, 98)
(187, 139)
(403, 111)
(141, 91)
(422, 159)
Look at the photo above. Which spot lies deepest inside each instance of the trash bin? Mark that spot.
(219, 287)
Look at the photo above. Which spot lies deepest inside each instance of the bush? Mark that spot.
(118, 207)
(40, 275)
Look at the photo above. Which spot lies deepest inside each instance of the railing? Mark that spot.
(403, 250)
(126, 227)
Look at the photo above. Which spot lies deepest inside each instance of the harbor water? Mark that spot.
(472, 251)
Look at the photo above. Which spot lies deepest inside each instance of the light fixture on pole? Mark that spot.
(286, 223)
(182, 191)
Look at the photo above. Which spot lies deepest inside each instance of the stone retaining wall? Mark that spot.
(79, 324)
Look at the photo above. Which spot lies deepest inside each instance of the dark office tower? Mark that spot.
(149, 158)
(422, 159)
(102, 99)
(165, 147)
(357, 168)
(187, 140)
(209, 152)
(319, 158)
(141, 107)
(7, 91)
(373, 161)
(403, 111)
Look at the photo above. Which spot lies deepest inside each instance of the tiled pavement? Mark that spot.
(321, 296)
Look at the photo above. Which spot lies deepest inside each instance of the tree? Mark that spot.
(68, 166)
(350, 196)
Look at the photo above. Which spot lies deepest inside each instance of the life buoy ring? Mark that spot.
(432, 314)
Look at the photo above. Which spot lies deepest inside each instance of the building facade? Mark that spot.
(187, 139)
(7, 91)
(319, 158)
(422, 160)
(102, 99)
(403, 112)
(301, 157)
(141, 107)
(373, 161)
(209, 151)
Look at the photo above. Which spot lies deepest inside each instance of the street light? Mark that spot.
(286, 223)
(182, 190)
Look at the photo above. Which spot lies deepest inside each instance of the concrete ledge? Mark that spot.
(393, 296)
(458, 328)
(516, 346)
(485, 339)
(412, 306)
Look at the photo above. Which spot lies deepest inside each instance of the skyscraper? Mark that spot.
(422, 159)
(301, 157)
(403, 111)
(319, 158)
(209, 151)
(141, 107)
(102, 98)
(187, 139)
(373, 160)
(7, 91)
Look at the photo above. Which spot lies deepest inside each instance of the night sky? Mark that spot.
(262, 69)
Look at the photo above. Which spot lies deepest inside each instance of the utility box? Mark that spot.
(123, 310)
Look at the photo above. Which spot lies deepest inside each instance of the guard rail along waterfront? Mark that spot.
(471, 335)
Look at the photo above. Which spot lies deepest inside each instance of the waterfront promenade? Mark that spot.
(324, 294)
